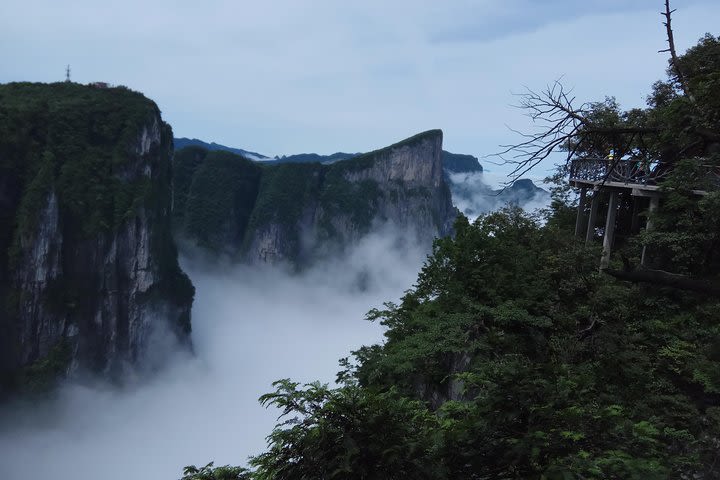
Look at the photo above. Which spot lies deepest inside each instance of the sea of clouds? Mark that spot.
(251, 326)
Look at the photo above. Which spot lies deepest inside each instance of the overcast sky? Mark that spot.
(290, 76)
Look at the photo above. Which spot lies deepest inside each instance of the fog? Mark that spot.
(251, 326)
(476, 193)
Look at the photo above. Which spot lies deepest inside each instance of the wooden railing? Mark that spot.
(637, 172)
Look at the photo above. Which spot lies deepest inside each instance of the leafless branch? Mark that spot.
(560, 124)
(673, 54)
(558, 120)
(586, 332)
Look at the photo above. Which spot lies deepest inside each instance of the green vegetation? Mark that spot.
(81, 146)
(513, 357)
(42, 376)
(220, 197)
(340, 197)
(314, 158)
(220, 200)
(75, 140)
(459, 163)
(185, 163)
(208, 472)
(285, 192)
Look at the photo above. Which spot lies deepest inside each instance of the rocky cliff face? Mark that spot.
(89, 270)
(300, 211)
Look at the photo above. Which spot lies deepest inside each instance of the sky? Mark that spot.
(283, 76)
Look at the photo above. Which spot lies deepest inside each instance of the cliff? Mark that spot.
(88, 267)
(298, 211)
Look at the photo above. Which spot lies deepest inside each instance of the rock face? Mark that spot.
(89, 269)
(300, 211)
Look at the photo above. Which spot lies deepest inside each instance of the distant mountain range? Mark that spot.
(460, 163)
(452, 162)
(463, 174)
(183, 142)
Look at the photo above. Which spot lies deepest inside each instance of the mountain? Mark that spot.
(314, 157)
(88, 266)
(520, 192)
(183, 142)
(297, 211)
(460, 163)
(452, 162)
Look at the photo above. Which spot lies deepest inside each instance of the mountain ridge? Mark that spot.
(295, 211)
(453, 162)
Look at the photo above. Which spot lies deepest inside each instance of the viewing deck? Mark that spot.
(641, 177)
(609, 180)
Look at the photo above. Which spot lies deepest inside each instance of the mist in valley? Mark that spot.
(251, 326)
(478, 193)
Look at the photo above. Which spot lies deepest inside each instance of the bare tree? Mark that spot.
(558, 121)
(674, 63)
(561, 125)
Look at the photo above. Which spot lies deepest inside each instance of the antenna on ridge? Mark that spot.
(67, 73)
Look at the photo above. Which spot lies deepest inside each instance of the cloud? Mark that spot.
(282, 77)
(251, 326)
(476, 193)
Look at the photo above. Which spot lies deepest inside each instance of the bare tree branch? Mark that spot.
(558, 121)
(673, 54)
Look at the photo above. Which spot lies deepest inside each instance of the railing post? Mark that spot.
(635, 219)
(609, 230)
(580, 220)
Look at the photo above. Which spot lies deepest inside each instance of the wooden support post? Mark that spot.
(593, 217)
(580, 220)
(635, 222)
(609, 230)
(654, 203)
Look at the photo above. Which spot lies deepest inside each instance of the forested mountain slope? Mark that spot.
(296, 211)
(88, 267)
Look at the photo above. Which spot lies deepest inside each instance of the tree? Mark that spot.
(682, 121)
(347, 433)
(209, 472)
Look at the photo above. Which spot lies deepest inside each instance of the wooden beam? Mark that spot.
(635, 220)
(666, 279)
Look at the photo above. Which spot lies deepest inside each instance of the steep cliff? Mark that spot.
(298, 211)
(88, 267)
